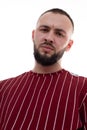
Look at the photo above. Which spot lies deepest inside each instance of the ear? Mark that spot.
(33, 34)
(69, 45)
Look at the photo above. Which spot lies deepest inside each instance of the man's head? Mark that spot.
(52, 36)
(60, 11)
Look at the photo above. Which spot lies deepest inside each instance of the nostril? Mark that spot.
(45, 40)
(51, 41)
(48, 40)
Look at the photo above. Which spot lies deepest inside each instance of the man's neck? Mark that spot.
(47, 69)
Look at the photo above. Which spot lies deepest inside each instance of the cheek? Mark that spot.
(36, 40)
(60, 45)
(39, 38)
(62, 42)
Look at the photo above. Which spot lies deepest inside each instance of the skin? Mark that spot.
(56, 29)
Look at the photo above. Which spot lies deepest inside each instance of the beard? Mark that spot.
(47, 60)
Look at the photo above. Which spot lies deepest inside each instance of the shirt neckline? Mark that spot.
(45, 74)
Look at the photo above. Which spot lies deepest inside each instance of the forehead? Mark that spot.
(55, 20)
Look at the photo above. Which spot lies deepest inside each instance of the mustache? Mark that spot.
(48, 43)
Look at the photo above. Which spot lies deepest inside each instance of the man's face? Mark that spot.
(51, 38)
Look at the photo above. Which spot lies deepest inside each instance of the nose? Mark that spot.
(49, 37)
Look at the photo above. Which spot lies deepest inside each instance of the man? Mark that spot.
(48, 97)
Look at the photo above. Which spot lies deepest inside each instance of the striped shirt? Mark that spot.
(55, 101)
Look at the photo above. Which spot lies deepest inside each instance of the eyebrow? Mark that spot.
(57, 29)
(45, 26)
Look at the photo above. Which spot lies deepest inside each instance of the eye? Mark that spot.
(59, 34)
(44, 29)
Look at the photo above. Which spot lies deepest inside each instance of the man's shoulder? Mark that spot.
(78, 77)
(15, 78)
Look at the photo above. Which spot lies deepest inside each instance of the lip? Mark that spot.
(47, 47)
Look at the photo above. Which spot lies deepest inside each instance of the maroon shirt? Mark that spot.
(55, 101)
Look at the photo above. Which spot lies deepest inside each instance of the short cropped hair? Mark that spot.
(60, 11)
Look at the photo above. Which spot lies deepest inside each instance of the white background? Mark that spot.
(18, 19)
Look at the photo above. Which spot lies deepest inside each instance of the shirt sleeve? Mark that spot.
(0, 92)
(83, 107)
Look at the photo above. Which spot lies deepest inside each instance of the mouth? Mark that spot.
(47, 48)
